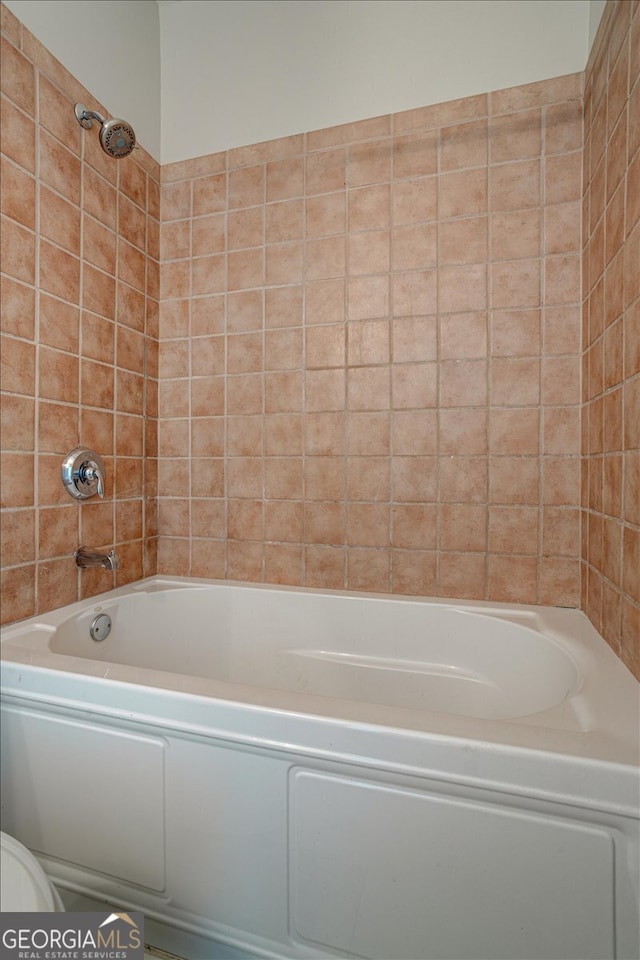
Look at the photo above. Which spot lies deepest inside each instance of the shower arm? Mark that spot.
(86, 117)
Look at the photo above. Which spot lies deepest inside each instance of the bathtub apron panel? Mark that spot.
(379, 871)
(226, 843)
(85, 794)
(287, 856)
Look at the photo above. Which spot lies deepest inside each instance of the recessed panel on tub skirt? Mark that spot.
(381, 871)
(85, 794)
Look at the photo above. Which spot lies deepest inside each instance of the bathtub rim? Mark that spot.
(506, 629)
(586, 780)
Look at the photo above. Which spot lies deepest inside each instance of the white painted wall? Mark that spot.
(232, 72)
(236, 72)
(112, 47)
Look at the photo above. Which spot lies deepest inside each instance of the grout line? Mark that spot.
(36, 334)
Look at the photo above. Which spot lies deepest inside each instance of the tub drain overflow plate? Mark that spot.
(100, 627)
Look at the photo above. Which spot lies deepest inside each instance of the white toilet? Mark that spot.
(23, 883)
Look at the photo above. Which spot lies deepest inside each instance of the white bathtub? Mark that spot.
(296, 773)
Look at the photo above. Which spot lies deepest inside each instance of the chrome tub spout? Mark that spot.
(91, 558)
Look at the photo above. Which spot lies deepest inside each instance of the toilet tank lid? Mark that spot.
(23, 883)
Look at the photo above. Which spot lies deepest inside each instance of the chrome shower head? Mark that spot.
(117, 137)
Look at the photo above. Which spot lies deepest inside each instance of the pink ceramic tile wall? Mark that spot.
(370, 342)
(79, 325)
(370, 354)
(611, 333)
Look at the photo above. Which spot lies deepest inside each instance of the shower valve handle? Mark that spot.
(90, 472)
(83, 474)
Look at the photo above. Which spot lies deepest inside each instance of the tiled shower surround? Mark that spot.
(611, 334)
(370, 343)
(79, 321)
(370, 354)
